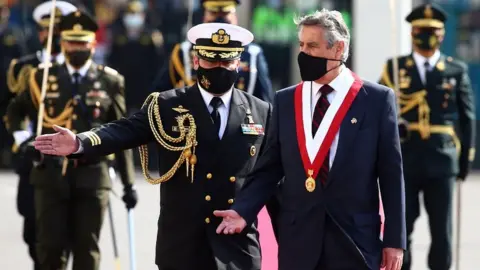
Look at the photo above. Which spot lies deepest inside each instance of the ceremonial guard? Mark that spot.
(209, 137)
(18, 78)
(71, 196)
(433, 91)
(253, 70)
(132, 34)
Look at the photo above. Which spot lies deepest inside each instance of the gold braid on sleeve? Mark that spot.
(188, 136)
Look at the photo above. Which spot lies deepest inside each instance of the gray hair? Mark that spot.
(332, 23)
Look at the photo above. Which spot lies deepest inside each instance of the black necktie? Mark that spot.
(76, 84)
(216, 102)
(427, 70)
(320, 109)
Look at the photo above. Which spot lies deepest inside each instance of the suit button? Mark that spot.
(208, 198)
(209, 176)
(233, 179)
(230, 201)
(74, 117)
(207, 220)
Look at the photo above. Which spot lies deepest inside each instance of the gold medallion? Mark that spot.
(310, 182)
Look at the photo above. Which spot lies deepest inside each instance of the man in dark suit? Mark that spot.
(253, 75)
(333, 138)
(434, 91)
(71, 197)
(209, 137)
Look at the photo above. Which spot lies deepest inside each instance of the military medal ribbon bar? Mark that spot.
(312, 168)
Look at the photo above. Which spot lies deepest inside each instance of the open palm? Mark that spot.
(62, 143)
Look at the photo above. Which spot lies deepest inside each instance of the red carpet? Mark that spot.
(269, 244)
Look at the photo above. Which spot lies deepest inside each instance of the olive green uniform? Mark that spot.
(70, 200)
(434, 156)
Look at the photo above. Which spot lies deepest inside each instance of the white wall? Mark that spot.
(372, 35)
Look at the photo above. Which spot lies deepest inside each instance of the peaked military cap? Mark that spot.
(78, 26)
(429, 15)
(220, 5)
(219, 41)
(41, 14)
(135, 6)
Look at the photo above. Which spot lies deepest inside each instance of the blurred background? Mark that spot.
(370, 22)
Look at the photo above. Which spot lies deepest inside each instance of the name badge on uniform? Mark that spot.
(253, 129)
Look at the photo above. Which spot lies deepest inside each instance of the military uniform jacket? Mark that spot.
(99, 100)
(253, 71)
(139, 70)
(186, 225)
(431, 111)
(10, 48)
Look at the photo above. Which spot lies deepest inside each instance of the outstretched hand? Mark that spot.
(62, 143)
(232, 222)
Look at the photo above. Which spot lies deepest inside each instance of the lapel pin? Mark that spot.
(354, 120)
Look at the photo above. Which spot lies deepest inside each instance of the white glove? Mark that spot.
(21, 136)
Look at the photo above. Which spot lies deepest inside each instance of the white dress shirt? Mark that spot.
(222, 110)
(420, 62)
(340, 83)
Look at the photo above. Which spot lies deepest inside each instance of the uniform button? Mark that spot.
(445, 105)
(74, 117)
(75, 102)
(230, 201)
(446, 96)
(208, 198)
(233, 179)
(209, 176)
(207, 220)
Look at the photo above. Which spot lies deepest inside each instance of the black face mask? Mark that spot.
(78, 58)
(56, 48)
(216, 80)
(426, 40)
(313, 68)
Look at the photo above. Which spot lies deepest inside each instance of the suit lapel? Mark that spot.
(348, 131)
(236, 115)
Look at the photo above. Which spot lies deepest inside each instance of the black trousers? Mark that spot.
(437, 196)
(338, 253)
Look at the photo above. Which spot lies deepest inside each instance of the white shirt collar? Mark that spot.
(340, 83)
(207, 97)
(420, 60)
(60, 58)
(82, 71)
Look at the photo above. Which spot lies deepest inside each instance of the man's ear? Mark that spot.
(196, 62)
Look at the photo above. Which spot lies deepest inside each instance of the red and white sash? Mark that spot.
(318, 145)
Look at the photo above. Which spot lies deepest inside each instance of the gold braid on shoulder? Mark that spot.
(17, 84)
(188, 136)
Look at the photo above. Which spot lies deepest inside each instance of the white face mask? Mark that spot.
(133, 20)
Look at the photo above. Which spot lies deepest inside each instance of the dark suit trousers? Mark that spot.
(338, 253)
(437, 196)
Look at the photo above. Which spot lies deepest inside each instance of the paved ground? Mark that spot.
(13, 252)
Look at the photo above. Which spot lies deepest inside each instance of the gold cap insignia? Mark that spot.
(428, 12)
(77, 27)
(220, 37)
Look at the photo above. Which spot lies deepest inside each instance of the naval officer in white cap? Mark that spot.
(220, 146)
